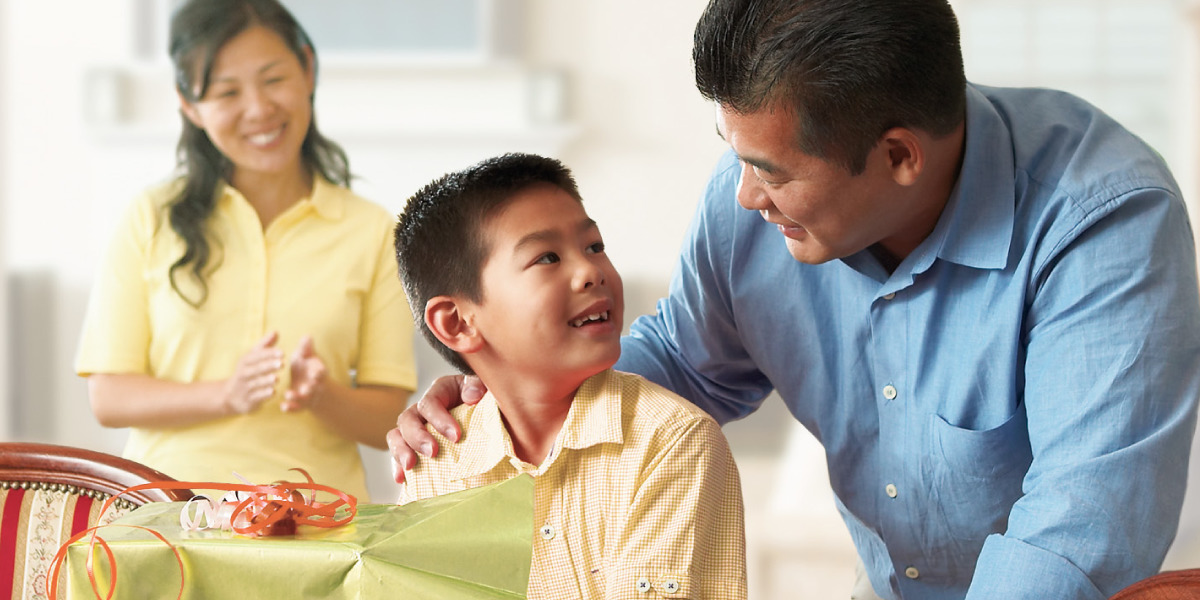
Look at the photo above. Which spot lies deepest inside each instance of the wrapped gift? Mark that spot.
(470, 544)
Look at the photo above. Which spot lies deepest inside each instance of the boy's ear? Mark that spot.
(451, 324)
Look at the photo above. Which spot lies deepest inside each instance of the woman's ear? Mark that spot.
(451, 324)
(189, 110)
(310, 70)
(906, 154)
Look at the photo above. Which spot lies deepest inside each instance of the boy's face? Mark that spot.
(553, 305)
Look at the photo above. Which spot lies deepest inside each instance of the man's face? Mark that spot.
(822, 211)
(553, 304)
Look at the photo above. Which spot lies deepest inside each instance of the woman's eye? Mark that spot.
(547, 258)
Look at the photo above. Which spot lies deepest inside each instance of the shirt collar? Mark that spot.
(594, 418)
(976, 227)
(326, 200)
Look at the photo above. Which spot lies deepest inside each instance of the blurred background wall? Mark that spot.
(88, 118)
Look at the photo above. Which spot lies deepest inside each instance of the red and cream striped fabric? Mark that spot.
(34, 523)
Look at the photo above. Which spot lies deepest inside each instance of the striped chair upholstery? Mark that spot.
(47, 494)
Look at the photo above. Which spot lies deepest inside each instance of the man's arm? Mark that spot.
(1112, 373)
(692, 345)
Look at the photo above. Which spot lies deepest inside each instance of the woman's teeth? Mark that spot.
(262, 139)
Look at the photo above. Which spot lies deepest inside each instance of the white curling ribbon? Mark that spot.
(200, 509)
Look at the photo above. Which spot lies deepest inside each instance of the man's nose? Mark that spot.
(750, 193)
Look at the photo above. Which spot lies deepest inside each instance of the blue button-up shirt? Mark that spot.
(1026, 378)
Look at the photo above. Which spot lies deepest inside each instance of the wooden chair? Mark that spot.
(48, 493)
(1168, 585)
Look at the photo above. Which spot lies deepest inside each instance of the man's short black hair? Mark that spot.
(848, 69)
(440, 246)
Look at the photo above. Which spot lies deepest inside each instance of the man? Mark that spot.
(982, 301)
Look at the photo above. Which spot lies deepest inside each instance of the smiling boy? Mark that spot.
(637, 494)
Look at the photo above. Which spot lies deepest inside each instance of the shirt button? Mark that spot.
(889, 296)
(547, 532)
(670, 586)
(912, 573)
(889, 392)
(891, 490)
(643, 585)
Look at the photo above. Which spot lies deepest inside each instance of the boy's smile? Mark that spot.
(553, 304)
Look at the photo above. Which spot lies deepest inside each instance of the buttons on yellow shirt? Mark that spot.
(891, 490)
(889, 392)
(912, 573)
(669, 586)
(643, 585)
(547, 531)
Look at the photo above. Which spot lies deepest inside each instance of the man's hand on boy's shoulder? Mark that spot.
(410, 437)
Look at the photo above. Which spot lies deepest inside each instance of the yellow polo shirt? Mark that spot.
(325, 267)
(639, 497)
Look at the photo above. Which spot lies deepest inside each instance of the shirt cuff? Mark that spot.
(1010, 569)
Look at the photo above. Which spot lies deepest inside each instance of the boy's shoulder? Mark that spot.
(649, 402)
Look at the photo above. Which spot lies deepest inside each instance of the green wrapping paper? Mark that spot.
(470, 544)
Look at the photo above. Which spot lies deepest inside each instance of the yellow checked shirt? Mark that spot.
(324, 267)
(639, 498)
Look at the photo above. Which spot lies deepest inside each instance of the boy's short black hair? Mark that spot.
(440, 246)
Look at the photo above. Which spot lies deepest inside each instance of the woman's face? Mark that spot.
(257, 107)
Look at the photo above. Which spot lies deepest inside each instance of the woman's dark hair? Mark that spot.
(848, 69)
(440, 243)
(199, 29)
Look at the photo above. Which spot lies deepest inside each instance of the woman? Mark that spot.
(256, 250)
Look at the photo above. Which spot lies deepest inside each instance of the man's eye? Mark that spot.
(764, 180)
(547, 258)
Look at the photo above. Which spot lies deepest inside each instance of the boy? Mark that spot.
(637, 494)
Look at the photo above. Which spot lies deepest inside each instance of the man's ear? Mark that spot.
(189, 110)
(905, 154)
(450, 322)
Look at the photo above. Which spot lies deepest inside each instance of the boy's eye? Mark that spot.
(597, 248)
(547, 258)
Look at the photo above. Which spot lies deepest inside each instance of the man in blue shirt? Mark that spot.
(982, 301)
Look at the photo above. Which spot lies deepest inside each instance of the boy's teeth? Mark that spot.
(596, 317)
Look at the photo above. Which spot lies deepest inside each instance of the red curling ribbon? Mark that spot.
(266, 510)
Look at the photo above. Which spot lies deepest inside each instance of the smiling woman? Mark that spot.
(252, 297)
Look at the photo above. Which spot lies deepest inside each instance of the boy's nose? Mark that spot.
(587, 275)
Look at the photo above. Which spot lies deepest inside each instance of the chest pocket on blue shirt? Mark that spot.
(975, 477)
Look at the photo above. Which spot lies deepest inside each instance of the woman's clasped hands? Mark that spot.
(257, 374)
